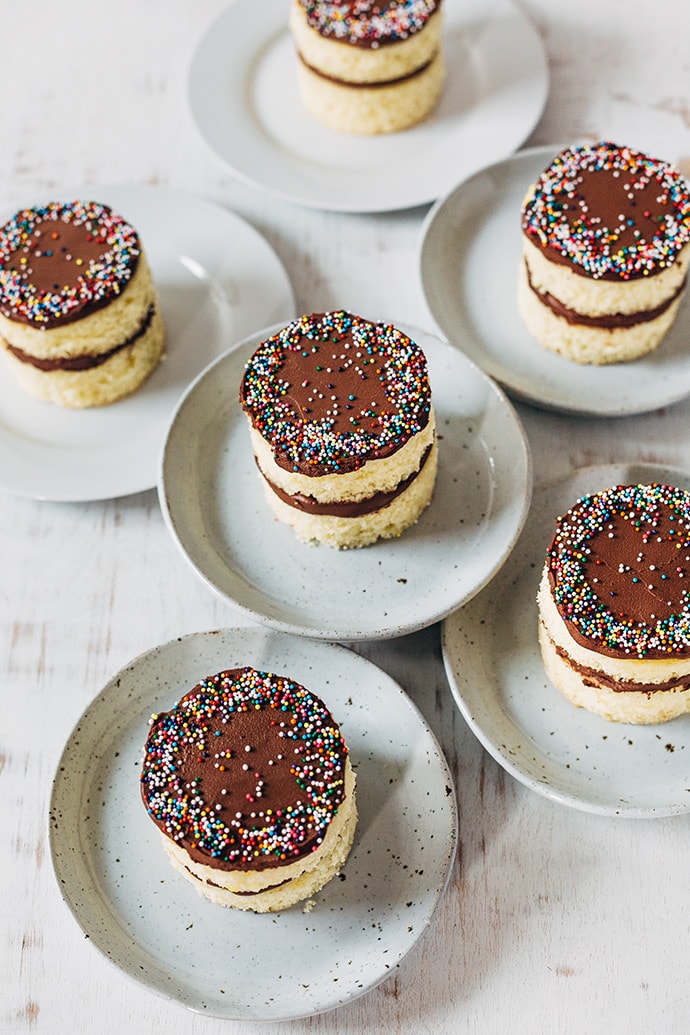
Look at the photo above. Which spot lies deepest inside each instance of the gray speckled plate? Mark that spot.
(116, 879)
(496, 674)
(213, 502)
(469, 258)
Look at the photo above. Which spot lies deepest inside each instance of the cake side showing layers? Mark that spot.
(250, 783)
(614, 610)
(80, 323)
(366, 68)
(605, 253)
(342, 428)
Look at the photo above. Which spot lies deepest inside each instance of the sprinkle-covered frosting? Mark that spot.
(619, 569)
(332, 390)
(246, 772)
(609, 212)
(62, 260)
(367, 22)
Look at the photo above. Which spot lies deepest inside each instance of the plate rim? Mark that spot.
(543, 153)
(352, 634)
(78, 491)
(604, 474)
(448, 806)
(540, 74)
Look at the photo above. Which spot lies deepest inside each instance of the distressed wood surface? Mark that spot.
(554, 920)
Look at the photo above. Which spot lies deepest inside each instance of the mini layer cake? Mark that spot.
(614, 605)
(605, 253)
(342, 428)
(79, 319)
(249, 781)
(367, 67)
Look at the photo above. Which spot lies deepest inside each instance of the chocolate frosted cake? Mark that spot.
(366, 67)
(614, 604)
(79, 319)
(605, 253)
(249, 781)
(342, 428)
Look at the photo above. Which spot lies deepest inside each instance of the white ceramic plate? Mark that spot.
(213, 502)
(217, 280)
(496, 674)
(244, 100)
(469, 259)
(116, 879)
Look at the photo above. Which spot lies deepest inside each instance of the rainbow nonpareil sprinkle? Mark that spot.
(199, 729)
(98, 281)
(343, 432)
(641, 239)
(655, 521)
(367, 22)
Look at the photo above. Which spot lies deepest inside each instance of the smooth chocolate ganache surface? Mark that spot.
(619, 571)
(63, 260)
(246, 772)
(609, 212)
(368, 23)
(331, 391)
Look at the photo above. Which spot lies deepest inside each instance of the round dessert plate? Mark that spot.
(213, 501)
(468, 262)
(494, 667)
(115, 876)
(244, 99)
(217, 280)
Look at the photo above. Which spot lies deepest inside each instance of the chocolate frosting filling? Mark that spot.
(375, 85)
(610, 320)
(85, 361)
(595, 677)
(347, 508)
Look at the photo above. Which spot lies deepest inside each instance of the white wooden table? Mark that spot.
(555, 920)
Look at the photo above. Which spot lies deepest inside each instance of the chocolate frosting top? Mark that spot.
(246, 772)
(619, 570)
(369, 23)
(63, 260)
(609, 212)
(332, 390)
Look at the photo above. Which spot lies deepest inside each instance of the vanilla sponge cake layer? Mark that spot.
(348, 533)
(370, 110)
(582, 342)
(270, 891)
(115, 378)
(380, 475)
(598, 297)
(584, 676)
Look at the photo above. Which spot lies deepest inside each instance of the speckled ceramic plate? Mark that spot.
(468, 262)
(244, 101)
(146, 918)
(217, 280)
(213, 501)
(496, 674)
